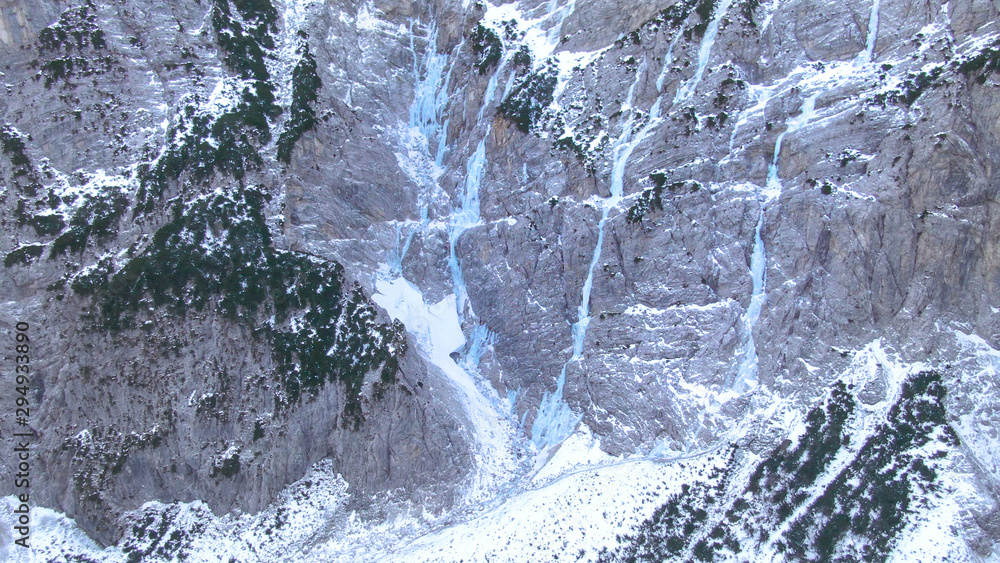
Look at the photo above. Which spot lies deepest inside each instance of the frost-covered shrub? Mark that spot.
(673, 527)
(217, 252)
(75, 29)
(487, 47)
(983, 63)
(48, 224)
(70, 47)
(94, 278)
(872, 497)
(529, 98)
(305, 86)
(244, 34)
(522, 57)
(97, 216)
(23, 255)
(23, 173)
(869, 497)
(203, 143)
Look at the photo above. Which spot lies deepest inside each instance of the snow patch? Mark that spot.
(437, 332)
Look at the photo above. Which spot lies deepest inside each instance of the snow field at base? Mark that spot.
(572, 510)
(931, 537)
(309, 510)
(578, 503)
(52, 535)
(569, 508)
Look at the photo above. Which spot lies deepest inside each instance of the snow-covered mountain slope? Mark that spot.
(885, 480)
(460, 281)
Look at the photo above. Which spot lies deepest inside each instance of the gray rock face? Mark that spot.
(185, 406)
(834, 279)
(633, 173)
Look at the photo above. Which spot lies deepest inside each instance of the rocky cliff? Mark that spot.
(442, 259)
